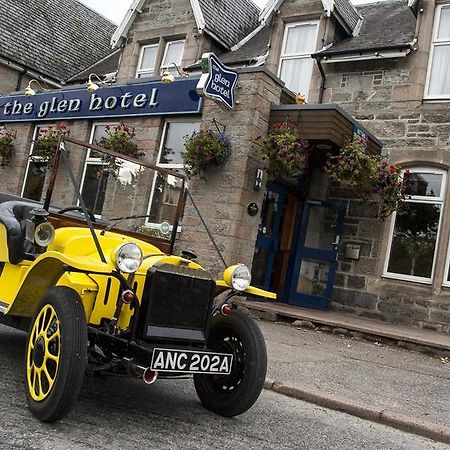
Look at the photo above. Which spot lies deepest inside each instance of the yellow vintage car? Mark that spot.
(99, 289)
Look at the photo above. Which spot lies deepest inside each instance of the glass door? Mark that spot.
(315, 261)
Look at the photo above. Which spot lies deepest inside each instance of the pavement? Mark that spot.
(356, 366)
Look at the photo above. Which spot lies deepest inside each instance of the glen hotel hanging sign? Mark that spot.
(138, 99)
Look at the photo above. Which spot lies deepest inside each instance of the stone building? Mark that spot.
(379, 69)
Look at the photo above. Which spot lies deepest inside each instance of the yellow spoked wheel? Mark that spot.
(56, 354)
(43, 353)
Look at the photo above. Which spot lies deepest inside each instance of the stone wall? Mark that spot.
(387, 96)
(223, 198)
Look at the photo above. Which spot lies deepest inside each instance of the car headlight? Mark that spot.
(127, 258)
(44, 234)
(238, 277)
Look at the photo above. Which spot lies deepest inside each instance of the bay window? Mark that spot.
(414, 234)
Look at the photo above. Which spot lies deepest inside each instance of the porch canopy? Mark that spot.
(326, 126)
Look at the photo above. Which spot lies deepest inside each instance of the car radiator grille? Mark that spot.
(176, 303)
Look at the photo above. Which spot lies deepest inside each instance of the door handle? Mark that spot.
(336, 242)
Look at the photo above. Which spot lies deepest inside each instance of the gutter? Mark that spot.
(398, 51)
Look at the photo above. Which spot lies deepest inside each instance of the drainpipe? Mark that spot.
(322, 81)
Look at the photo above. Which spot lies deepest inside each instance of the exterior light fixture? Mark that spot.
(91, 86)
(167, 76)
(29, 91)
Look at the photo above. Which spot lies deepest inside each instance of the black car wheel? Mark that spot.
(56, 354)
(230, 395)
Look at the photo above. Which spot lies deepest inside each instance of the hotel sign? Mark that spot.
(217, 82)
(140, 99)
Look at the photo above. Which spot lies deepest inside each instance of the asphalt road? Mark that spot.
(121, 413)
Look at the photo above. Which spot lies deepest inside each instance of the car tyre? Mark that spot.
(231, 395)
(56, 354)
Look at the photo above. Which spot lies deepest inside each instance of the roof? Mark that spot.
(347, 14)
(103, 67)
(343, 10)
(229, 21)
(56, 38)
(253, 50)
(226, 21)
(386, 25)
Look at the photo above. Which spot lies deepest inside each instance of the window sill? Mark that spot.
(406, 279)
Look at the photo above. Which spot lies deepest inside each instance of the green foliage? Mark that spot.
(205, 149)
(6, 146)
(46, 142)
(286, 155)
(367, 176)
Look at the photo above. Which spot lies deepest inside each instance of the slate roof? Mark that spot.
(256, 47)
(386, 25)
(229, 21)
(348, 13)
(104, 66)
(57, 38)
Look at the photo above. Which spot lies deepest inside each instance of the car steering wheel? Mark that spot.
(77, 208)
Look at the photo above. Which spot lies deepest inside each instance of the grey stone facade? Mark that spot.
(385, 95)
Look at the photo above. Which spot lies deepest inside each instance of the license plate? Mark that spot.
(187, 361)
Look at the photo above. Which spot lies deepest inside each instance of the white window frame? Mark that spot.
(178, 63)
(419, 199)
(91, 161)
(290, 56)
(435, 42)
(178, 167)
(35, 133)
(146, 72)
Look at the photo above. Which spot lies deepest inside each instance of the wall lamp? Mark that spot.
(29, 91)
(91, 86)
(167, 76)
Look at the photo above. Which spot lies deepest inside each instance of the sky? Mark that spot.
(115, 10)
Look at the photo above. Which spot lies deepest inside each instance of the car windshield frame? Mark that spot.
(62, 156)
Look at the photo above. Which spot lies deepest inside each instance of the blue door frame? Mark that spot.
(269, 234)
(313, 267)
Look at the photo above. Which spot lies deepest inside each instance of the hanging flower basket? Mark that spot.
(119, 138)
(6, 146)
(205, 149)
(368, 177)
(46, 142)
(286, 155)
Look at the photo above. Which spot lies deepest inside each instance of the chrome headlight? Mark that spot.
(44, 234)
(238, 277)
(127, 258)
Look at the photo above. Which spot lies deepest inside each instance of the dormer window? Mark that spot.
(147, 61)
(154, 58)
(296, 64)
(438, 85)
(173, 53)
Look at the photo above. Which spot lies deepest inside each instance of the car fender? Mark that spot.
(51, 270)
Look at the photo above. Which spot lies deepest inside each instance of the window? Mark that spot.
(147, 61)
(166, 188)
(152, 60)
(173, 53)
(95, 179)
(438, 85)
(35, 172)
(414, 234)
(295, 62)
